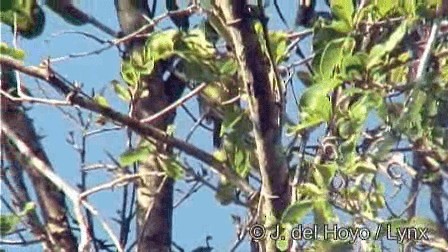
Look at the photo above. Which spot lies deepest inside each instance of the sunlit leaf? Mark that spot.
(295, 212)
(342, 9)
(378, 51)
(15, 53)
(323, 212)
(161, 44)
(283, 243)
(136, 155)
(325, 173)
(331, 58)
(384, 7)
(129, 74)
(121, 91)
(172, 168)
(28, 207)
(101, 100)
(8, 223)
(279, 43)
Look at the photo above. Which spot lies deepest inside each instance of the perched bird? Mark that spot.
(210, 107)
(305, 12)
(181, 22)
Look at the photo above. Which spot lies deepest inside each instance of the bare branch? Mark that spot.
(175, 104)
(47, 74)
(68, 190)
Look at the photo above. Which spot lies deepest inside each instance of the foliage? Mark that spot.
(8, 222)
(362, 101)
(28, 16)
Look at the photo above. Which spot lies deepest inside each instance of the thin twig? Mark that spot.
(121, 181)
(144, 129)
(174, 105)
(68, 190)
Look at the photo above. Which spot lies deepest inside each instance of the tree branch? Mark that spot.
(48, 75)
(265, 104)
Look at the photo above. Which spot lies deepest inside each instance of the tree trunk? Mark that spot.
(51, 200)
(262, 84)
(154, 193)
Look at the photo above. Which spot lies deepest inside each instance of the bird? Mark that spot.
(305, 12)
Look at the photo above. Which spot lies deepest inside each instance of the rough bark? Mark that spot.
(50, 199)
(154, 193)
(20, 193)
(258, 74)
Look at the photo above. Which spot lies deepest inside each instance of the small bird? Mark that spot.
(209, 103)
(181, 22)
(305, 12)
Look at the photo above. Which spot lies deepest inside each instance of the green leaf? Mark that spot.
(409, 7)
(331, 58)
(101, 100)
(323, 212)
(346, 129)
(122, 92)
(143, 62)
(208, 73)
(6, 5)
(353, 66)
(129, 74)
(310, 189)
(347, 154)
(161, 44)
(315, 106)
(410, 122)
(239, 157)
(28, 207)
(283, 243)
(341, 26)
(380, 50)
(196, 43)
(230, 121)
(18, 54)
(173, 168)
(325, 172)
(384, 7)
(220, 155)
(342, 9)
(8, 223)
(279, 43)
(321, 38)
(136, 155)
(359, 110)
(333, 246)
(242, 162)
(27, 15)
(295, 212)
(228, 67)
(363, 167)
